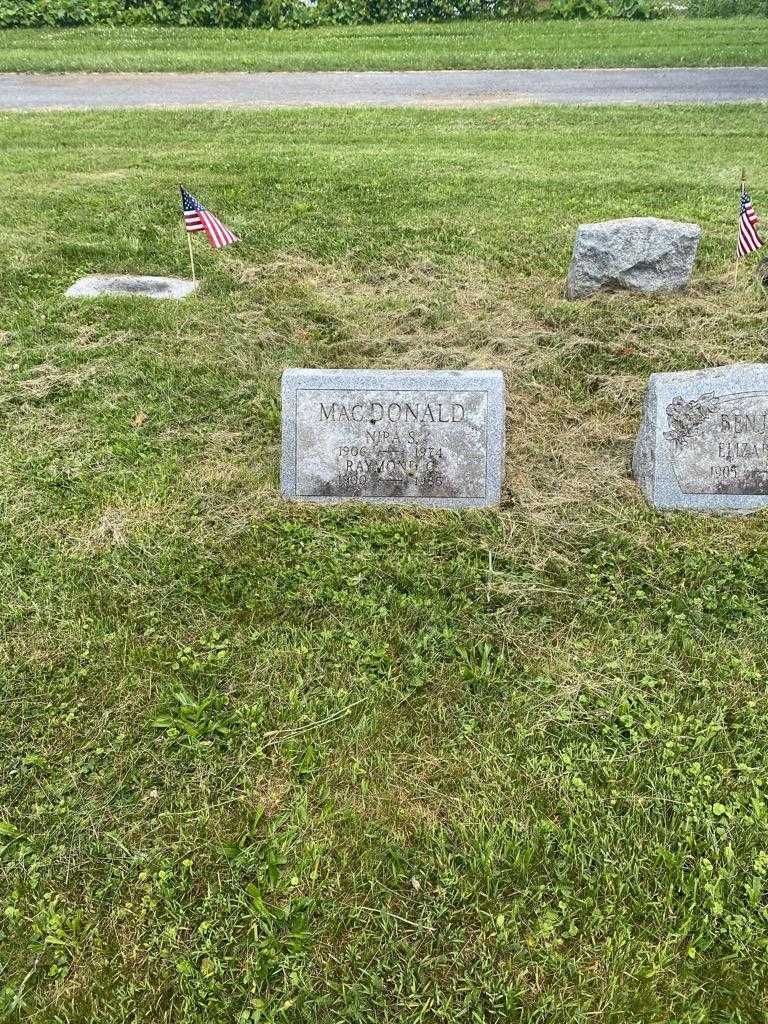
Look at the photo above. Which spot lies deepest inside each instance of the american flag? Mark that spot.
(197, 218)
(749, 240)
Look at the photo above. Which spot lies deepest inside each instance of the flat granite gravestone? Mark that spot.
(415, 437)
(703, 442)
(95, 285)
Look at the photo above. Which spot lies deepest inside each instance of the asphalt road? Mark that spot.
(382, 88)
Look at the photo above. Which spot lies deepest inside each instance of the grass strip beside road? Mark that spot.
(672, 42)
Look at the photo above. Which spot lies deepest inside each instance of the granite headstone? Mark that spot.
(703, 442)
(638, 254)
(418, 437)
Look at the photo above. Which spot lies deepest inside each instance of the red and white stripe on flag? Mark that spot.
(748, 240)
(218, 234)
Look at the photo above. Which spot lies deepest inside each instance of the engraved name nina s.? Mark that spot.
(391, 412)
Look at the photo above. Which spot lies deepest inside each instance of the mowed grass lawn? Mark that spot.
(461, 44)
(271, 762)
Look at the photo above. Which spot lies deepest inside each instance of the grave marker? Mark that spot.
(639, 254)
(418, 437)
(703, 442)
(96, 285)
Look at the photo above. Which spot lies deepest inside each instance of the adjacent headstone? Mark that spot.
(638, 254)
(417, 437)
(703, 442)
(96, 285)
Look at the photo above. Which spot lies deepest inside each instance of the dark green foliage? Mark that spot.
(251, 13)
(580, 9)
(635, 10)
(297, 13)
(303, 13)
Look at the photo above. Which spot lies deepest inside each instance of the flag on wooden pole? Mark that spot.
(197, 218)
(748, 240)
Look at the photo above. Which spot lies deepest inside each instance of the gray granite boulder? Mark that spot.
(703, 441)
(96, 285)
(638, 254)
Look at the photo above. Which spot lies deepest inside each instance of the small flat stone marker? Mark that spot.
(95, 285)
(416, 437)
(703, 442)
(636, 254)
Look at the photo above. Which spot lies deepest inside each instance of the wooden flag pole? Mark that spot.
(189, 240)
(191, 257)
(736, 267)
